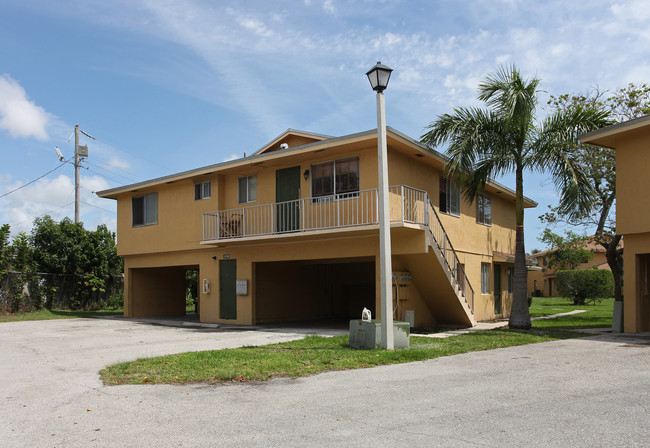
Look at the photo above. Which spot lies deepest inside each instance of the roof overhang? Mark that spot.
(606, 137)
(358, 141)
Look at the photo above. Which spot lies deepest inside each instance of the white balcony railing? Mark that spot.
(359, 208)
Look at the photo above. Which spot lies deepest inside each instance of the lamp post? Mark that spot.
(378, 77)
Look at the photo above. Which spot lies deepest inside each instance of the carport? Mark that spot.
(155, 292)
(314, 289)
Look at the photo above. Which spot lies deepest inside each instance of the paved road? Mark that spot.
(583, 392)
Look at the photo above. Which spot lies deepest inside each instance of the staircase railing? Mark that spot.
(452, 263)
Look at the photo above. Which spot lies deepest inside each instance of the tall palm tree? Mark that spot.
(507, 138)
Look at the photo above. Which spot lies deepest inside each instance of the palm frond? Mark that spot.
(477, 138)
(507, 93)
(555, 150)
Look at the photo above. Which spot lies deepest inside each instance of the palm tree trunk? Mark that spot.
(615, 261)
(519, 315)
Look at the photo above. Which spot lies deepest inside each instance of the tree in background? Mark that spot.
(507, 138)
(568, 251)
(599, 163)
(5, 248)
(79, 263)
(61, 265)
(589, 285)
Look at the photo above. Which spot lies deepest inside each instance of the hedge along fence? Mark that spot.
(585, 286)
(29, 291)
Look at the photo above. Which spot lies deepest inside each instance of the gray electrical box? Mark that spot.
(82, 151)
(241, 287)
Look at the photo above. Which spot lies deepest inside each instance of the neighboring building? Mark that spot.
(291, 232)
(631, 140)
(541, 281)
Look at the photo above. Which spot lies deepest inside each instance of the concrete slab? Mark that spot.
(585, 392)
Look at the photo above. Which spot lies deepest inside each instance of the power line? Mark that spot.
(119, 182)
(92, 205)
(29, 183)
(40, 216)
(135, 155)
(128, 178)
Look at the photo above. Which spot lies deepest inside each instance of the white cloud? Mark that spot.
(328, 6)
(635, 10)
(93, 184)
(46, 191)
(18, 115)
(55, 197)
(116, 162)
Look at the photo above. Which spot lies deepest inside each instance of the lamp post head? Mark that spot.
(379, 76)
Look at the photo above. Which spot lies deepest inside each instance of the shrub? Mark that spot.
(585, 286)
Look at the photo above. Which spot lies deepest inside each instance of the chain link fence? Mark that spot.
(29, 291)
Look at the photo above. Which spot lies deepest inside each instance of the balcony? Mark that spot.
(340, 211)
(351, 211)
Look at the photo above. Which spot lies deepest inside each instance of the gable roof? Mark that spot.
(272, 152)
(276, 143)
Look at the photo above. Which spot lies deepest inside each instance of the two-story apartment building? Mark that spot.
(541, 281)
(291, 232)
(631, 140)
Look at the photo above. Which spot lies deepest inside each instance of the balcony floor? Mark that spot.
(311, 235)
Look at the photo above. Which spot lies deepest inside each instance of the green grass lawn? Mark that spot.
(316, 354)
(596, 316)
(308, 356)
(56, 314)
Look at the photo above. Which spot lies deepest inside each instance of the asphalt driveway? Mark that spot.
(583, 392)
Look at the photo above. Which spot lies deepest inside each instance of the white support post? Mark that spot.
(386, 270)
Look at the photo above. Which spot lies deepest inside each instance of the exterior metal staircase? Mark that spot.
(439, 241)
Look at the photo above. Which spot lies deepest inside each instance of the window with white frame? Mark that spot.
(247, 189)
(145, 209)
(485, 278)
(449, 197)
(484, 209)
(202, 190)
(335, 177)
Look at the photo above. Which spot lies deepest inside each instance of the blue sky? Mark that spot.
(166, 86)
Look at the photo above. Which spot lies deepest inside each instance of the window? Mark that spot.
(484, 210)
(247, 189)
(335, 177)
(449, 197)
(145, 209)
(545, 260)
(485, 278)
(202, 190)
(511, 279)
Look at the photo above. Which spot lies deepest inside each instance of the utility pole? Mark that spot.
(76, 173)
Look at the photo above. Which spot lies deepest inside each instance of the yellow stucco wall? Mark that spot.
(631, 140)
(633, 221)
(637, 300)
(632, 182)
(176, 239)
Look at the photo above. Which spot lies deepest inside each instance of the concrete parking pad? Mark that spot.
(592, 391)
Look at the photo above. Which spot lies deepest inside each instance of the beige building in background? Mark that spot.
(631, 140)
(291, 233)
(541, 280)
